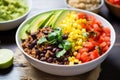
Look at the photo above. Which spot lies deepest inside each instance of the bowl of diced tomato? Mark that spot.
(113, 6)
(65, 42)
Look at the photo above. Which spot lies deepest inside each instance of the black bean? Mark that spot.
(32, 44)
(57, 50)
(44, 51)
(49, 47)
(53, 55)
(33, 36)
(65, 59)
(37, 52)
(59, 59)
(42, 55)
(50, 59)
(65, 36)
(43, 58)
(54, 49)
(61, 63)
(75, 63)
(35, 41)
(54, 59)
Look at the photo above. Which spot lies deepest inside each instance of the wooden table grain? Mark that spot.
(111, 65)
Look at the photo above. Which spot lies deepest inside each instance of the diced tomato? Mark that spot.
(95, 35)
(107, 39)
(78, 56)
(93, 42)
(91, 18)
(85, 57)
(117, 2)
(83, 25)
(88, 27)
(105, 49)
(81, 50)
(96, 27)
(101, 39)
(89, 45)
(108, 43)
(97, 22)
(103, 44)
(94, 54)
(82, 16)
(107, 31)
(111, 1)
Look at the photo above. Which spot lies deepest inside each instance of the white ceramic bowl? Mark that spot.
(66, 70)
(11, 24)
(95, 10)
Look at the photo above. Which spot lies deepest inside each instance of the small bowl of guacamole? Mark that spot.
(13, 12)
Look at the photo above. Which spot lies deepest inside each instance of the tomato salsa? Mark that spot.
(115, 2)
(98, 38)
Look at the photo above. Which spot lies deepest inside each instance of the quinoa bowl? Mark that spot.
(63, 44)
(89, 5)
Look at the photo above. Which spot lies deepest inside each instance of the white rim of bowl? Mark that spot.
(29, 9)
(101, 4)
(82, 64)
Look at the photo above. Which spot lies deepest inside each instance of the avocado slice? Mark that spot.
(44, 23)
(51, 18)
(39, 21)
(23, 34)
(54, 17)
(60, 17)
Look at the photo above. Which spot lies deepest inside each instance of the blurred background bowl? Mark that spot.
(11, 24)
(114, 9)
(66, 70)
(95, 9)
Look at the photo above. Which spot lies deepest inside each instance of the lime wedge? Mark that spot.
(6, 58)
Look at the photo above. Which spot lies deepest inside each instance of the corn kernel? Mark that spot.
(75, 53)
(76, 61)
(73, 58)
(83, 30)
(71, 63)
(80, 62)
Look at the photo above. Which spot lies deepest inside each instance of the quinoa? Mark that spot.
(84, 4)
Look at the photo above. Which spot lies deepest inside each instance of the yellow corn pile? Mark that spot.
(71, 26)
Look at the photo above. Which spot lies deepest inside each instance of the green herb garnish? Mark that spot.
(98, 48)
(42, 40)
(55, 37)
(61, 53)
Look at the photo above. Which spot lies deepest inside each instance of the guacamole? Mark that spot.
(12, 9)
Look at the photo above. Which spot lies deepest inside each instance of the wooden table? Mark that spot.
(110, 67)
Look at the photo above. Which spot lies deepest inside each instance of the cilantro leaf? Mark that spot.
(60, 53)
(42, 40)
